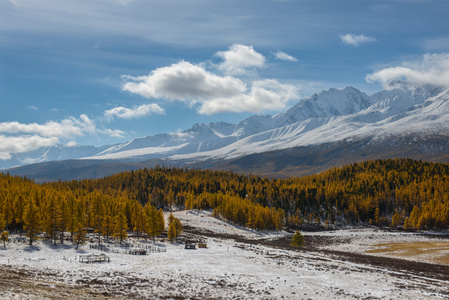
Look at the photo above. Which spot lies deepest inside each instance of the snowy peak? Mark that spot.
(339, 102)
(330, 116)
(401, 96)
(212, 130)
(413, 89)
(253, 125)
(327, 104)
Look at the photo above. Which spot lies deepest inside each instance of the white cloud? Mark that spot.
(432, 69)
(239, 58)
(284, 56)
(66, 128)
(134, 113)
(264, 95)
(211, 93)
(355, 40)
(180, 134)
(71, 144)
(17, 137)
(183, 81)
(112, 132)
(18, 144)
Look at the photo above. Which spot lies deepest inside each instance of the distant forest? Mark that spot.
(401, 193)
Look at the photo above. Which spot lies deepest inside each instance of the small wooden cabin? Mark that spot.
(190, 246)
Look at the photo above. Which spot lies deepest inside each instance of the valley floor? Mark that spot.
(237, 264)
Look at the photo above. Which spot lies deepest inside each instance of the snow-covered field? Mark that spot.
(377, 242)
(228, 268)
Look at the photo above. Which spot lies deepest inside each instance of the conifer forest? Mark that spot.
(400, 193)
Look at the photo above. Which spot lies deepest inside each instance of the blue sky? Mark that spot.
(106, 71)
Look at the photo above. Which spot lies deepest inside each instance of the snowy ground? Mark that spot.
(376, 242)
(238, 264)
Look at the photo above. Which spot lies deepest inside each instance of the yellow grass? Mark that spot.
(436, 252)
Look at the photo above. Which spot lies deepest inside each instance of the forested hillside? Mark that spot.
(396, 192)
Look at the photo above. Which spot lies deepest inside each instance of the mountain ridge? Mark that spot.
(401, 109)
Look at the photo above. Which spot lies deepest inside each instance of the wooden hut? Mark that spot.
(190, 246)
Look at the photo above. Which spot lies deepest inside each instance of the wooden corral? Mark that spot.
(92, 258)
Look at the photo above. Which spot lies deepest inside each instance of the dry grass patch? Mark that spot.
(436, 252)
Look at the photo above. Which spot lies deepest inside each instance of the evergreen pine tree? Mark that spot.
(171, 232)
(31, 219)
(71, 215)
(298, 239)
(2, 222)
(161, 221)
(4, 237)
(49, 218)
(8, 210)
(406, 224)
(107, 226)
(152, 219)
(97, 214)
(120, 226)
(62, 217)
(80, 236)
(395, 220)
(174, 228)
(19, 205)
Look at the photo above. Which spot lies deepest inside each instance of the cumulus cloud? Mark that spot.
(71, 144)
(133, 113)
(183, 81)
(356, 40)
(432, 69)
(211, 93)
(112, 132)
(284, 56)
(17, 137)
(68, 127)
(18, 144)
(239, 58)
(266, 94)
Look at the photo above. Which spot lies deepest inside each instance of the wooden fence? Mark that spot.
(138, 250)
(93, 258)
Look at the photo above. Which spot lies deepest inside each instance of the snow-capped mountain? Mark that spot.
(54, 153)
(400, 109)
(327, 104)
(203, 140)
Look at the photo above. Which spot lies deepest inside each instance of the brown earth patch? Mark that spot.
(437, 252)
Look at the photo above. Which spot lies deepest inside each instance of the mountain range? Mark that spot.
(334, 127)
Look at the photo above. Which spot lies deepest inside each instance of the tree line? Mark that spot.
(55, 211)
(395, 192)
